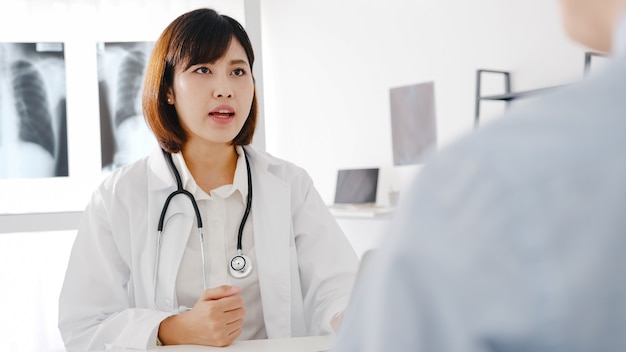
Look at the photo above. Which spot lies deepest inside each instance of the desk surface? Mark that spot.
(294, 344)
(357, 211)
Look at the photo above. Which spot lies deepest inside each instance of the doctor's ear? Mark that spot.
(170, 96)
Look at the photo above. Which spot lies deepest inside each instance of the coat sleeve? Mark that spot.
(95, 308)
(326, 259)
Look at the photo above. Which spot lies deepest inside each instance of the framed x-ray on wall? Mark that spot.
(124, 135)
(33, 128)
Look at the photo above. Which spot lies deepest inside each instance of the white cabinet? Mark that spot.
(364, 232)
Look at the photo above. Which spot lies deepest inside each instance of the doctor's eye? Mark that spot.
(239, 72)
(203, 70)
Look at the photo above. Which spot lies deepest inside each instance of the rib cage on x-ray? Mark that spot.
(31, 102)
(129, 82)
(33, 135)
(124, 134)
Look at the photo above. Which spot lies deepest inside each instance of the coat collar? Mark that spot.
(162, 177)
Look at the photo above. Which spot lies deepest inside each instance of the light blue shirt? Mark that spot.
(513, 239)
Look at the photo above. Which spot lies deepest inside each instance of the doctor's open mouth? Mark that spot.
(222, 112)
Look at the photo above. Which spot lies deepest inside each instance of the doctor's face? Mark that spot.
(213, 99)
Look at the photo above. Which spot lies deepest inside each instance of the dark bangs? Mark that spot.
(189, 44)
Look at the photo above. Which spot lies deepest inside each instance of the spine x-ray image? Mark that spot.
(33, 133)
(125, 136)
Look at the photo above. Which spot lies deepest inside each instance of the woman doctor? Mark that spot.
(259, 256)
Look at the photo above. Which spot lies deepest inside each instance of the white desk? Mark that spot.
(294, 344)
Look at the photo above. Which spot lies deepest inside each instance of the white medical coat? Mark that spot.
(305, 264)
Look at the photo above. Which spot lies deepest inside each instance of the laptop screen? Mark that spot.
(356, 186)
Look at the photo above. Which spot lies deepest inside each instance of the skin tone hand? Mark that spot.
(335, 323)
(215, 320)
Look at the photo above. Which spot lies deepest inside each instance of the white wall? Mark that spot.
(329, 66)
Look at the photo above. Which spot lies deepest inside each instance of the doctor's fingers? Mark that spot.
(226, 338)
(235, 317)
(235, 329)
(222, 330)
(219, 292)
(227, 310)
(221, 305)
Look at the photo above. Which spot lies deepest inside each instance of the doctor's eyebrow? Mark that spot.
(233, 62)
(238, 62)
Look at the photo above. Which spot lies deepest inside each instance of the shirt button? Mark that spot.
(168, 303)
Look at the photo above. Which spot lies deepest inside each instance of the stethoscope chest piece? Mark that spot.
(240, 266)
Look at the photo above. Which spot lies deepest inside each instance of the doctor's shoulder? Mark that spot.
(129, 179)
(283, 169)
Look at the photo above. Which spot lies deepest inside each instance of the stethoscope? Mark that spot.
(240, 265)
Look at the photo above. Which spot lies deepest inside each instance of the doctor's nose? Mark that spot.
(222, 90)
(223, 95)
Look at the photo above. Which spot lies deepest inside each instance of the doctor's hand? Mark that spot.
(335, 323)
(215, 320)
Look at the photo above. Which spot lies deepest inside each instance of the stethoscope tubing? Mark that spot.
(181, 190)
(248, 205)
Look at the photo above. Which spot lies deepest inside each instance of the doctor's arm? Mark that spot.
(95, 306)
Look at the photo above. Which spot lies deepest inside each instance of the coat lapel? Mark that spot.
(271, 206)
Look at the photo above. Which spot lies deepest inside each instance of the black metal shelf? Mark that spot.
(509, 96)
(506, 97)
(516, 95)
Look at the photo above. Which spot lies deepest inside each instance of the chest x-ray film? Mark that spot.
(124, 134)
(413, 122)
(33, 133)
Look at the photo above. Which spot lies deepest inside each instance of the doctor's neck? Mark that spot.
(211, 167)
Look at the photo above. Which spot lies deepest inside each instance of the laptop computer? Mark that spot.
(355, 193)
(356, 187)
